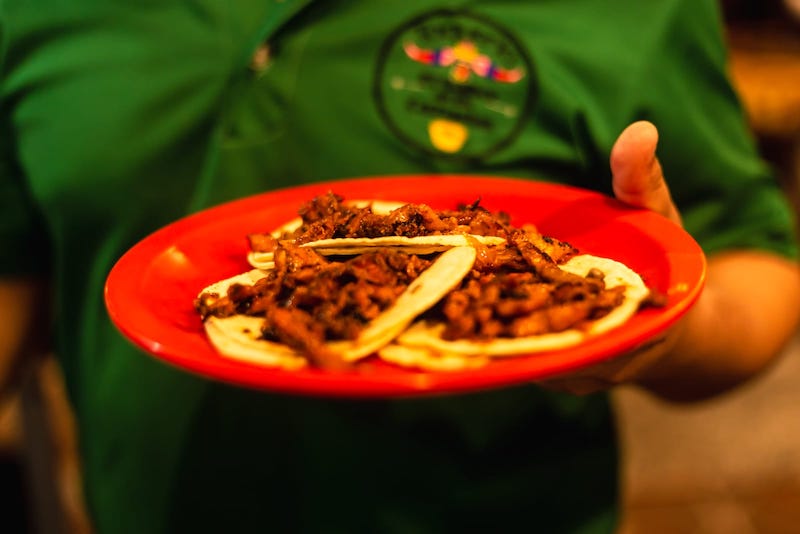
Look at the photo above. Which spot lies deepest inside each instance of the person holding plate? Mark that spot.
(118, 120)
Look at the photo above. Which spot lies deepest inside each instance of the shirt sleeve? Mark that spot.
(727, 194)
(24, 245)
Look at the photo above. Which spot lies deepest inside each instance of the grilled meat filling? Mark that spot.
(308, 300)
(518, 290)
(513, 290)
(327, 217)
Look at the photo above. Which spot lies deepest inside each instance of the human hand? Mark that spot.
(637, 180)
(724, 339)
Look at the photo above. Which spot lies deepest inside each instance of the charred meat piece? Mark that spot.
(300, 331)
(476, 219)
(261, 242)
(411, 220)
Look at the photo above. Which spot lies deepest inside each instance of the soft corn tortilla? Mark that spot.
(351, 246)
(422, 335)
(264, 260)
(357, 245)
(236, 337)
(426, 359)
(239, 337)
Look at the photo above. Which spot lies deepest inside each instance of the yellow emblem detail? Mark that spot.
(447, 136)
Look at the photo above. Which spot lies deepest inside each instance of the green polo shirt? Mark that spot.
(118, 118)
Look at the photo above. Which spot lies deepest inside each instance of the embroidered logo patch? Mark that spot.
(454, 84)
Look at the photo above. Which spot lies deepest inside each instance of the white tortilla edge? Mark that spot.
(359, 245)
(426, 359)
(616, 273)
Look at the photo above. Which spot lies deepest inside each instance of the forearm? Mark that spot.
(748, 311)
(24, 327)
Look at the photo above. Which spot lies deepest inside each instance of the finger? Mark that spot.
(637, 178)
(616, 371)
(576, 386)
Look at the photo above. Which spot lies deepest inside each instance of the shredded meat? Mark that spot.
(519, 290)
(513, 290)
(262, 242)
(308, 300)
(328, 217)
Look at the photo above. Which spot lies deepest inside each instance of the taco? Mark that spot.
(432, 289)
(518, 300)
(333, 226)
(326, 311)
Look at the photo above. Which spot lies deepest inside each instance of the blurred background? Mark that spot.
(731, 465)
(727, 466)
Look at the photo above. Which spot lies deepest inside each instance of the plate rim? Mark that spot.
(403, 382)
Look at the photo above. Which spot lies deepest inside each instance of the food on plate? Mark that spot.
(329, 311)
(422, 288)
(502, 310)
(332, 226)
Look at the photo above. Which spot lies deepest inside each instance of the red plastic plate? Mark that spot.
(150, 290)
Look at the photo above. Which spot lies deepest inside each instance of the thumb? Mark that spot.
(637, 178)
